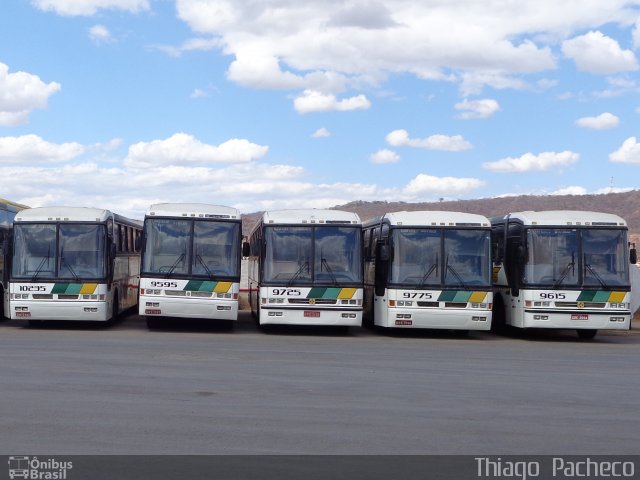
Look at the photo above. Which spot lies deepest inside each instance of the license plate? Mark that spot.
(404, 322)
(149, 311)
(23, 314)
(310, 313)
(579, 316)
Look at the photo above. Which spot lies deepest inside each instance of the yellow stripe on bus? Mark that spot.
(347, 293)
(477, 297)
(223, 287)
(617, 297)
(88, 288)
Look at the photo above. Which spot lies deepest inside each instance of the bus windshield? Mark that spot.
(64, 251)
(441, 257)
(299, 255)
(562, 257)
(202, 248)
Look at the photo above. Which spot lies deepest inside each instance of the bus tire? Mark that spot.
(587, 333)
(153, 323)
(498, 316)
(115, 307)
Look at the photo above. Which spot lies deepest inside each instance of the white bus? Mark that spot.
(305, 268)
(8, 211)
(190, 262)
(73, 263)
(428, 269)
(563, 270)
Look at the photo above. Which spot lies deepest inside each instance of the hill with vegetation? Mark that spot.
(626, 205)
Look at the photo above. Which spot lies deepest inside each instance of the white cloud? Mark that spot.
(198, 93)
(20, 93)
(282, 42)
(427, 184)
(572, 190)
(599, 54)
(31, 149)
(191, 45)
(100, 34)
(89, 7)
(321, 133)
(629, 152)
(455, 143)
(530, 162)
(384, 156)
(603, 121)
(477, 109)
(315, 101)
(182, 148)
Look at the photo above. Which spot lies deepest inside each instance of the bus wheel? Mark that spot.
(587, 334)
(498, 321)
(115, 310)
(154, 323)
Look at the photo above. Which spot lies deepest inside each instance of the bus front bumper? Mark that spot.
(438, 319)
(67, 310)
(609, 320)
(212, 309)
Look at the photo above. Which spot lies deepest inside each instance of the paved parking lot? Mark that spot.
(197, 389)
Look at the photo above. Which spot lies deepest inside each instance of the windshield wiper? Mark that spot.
(427, 274)
(323, 262)
(64, 262)
(298, 272)
(41, 264)
(570, 266)
(454, 271)
(175, 264)
(199, 258)
(594, 273)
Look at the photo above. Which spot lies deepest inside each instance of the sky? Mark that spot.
(271, 104)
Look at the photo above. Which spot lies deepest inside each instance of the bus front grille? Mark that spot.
(580, 304)
(313, 301)
(428, 304)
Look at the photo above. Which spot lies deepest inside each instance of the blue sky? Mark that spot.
(264, 104)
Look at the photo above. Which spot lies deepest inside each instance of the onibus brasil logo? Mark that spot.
(38, 469)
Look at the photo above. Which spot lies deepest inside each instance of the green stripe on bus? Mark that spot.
(324, 292)
(200, 286)
(594, 296)
(316, 292)
(454, 296)
(67, 288)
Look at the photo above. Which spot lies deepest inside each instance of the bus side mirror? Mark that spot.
(138, 243)
(383, 252)
(633, 255)
(112, 250)
(246, 249)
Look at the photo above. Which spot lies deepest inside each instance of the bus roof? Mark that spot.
(70, 214)
(563, 218)
(200, 210)
(432, 218)
(310, 215)
(10, 206)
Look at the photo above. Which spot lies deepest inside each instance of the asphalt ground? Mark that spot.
(202, 388)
